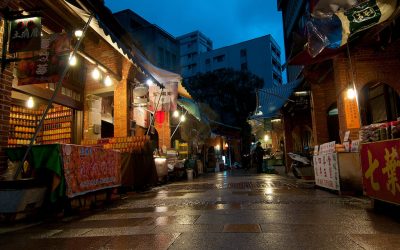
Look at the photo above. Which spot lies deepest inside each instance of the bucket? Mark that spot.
(189, 173)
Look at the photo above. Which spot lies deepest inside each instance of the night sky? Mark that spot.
(225, 22)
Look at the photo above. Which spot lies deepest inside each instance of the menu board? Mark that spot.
(326, 171)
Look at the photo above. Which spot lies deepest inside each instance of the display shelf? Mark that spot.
(57, 125)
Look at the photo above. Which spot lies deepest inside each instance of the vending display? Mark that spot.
(22, 122)
(56, 128)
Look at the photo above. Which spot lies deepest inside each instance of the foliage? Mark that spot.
(231, 94)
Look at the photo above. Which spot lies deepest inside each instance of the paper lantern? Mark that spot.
(160, 116)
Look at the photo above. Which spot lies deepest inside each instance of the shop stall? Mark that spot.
(380, 161)
(76, 170)
(337, 169)
(138, 166)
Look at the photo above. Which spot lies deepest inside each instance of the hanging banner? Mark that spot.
(169, 95)
(88, 169)
(364, 16)
(25, 34)
(351, 114)
(141, 117)
(380, 163)
(47, 64)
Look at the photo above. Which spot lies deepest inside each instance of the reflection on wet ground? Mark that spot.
(231, 210)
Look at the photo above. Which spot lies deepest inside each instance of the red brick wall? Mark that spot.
(114, 61)
(5, 102)
(322, 97)
(370, 66)
(121, 98)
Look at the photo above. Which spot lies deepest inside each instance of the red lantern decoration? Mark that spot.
(160, 116)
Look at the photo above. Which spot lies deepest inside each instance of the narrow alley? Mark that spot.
(229, 210)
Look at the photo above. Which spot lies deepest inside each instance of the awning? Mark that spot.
(271, 100)
(133, 54)
(190, 106)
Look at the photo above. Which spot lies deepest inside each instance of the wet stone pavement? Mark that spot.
(230, 210)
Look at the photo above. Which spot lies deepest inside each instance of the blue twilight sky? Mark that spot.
(225, 22)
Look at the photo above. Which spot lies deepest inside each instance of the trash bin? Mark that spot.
(189, 173)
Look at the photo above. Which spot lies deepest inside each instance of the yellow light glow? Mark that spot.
(226, 145)
(108, 81)
(96, 74)
(266, 137)
(351, 94)
(78, 33)
(269, 191)
(175, 114)
(149, 82)
(218, 147)
(183, 118)
(30, 103)
(72, 60)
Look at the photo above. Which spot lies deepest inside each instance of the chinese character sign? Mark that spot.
(45, 65)
(25, 34)
(381, 170)
(167, 100)
(326, 171)
(352, 114)
(88, 169)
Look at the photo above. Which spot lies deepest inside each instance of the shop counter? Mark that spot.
(76, 169)
(340, 171)
(381, 170)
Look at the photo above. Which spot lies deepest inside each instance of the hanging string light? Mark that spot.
(78, 34)
(108, 81)
(96, 74)
(175, 114)
(30, 103)
(72, 60)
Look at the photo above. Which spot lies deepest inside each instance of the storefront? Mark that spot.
(69, 105)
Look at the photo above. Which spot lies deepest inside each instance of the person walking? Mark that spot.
(258, 157)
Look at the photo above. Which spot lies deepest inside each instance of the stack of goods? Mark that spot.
(57, 126)
(380, 132)
(22, 125)
(127, 144)
(340, 148)
(123, 144)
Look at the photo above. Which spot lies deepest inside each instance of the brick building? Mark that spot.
(99, 107)
(370, 60)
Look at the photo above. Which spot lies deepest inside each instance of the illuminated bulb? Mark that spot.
(96, 74)
(226, 145)
(183, 118)
(108, 81)
(351, 94)
(175, 114)
(29, 102)
(78, 33)
(72, 61)
(266, 138)
(218, 147)
(149, 82)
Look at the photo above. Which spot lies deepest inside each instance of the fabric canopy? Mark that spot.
(271, 100)
(191, 107)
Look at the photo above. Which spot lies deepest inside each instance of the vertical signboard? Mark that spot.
(45, 65)
(351, 113)
(380, 163)
(25, 34)
(326, 171)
